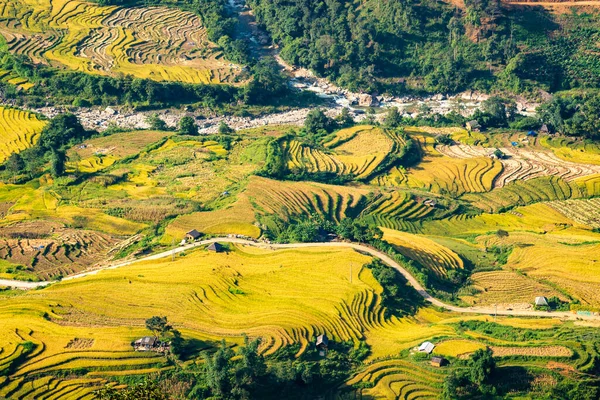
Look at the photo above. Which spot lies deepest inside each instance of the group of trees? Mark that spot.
(315, 228)
(365, 45)
(474, 380)
(247, 374)
(62, 132)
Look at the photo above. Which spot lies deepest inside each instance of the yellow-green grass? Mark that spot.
(147, 42)
(585, 152)
(457, 347)
(19, 130)
(431, 255)
(536, 218)
(268, 197)
(31, 203)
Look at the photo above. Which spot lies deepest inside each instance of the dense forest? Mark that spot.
(394, 46)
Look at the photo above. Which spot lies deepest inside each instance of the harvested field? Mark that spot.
(49, 250)
(522, 164)
(586, 212)
(545, 351)
(507, 289)
(160, 43)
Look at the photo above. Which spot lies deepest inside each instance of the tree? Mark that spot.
(156, 123)
(345, 118)
(393, 119)
(249, 370)
(187, 126)
(217, 370)
(60, 131)
(482, 366)
(58, 159)
(15, 164)
(317, 122)
(158, 325)
(267, 83)
(225, 129)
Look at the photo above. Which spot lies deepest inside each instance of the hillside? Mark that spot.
(433, 46)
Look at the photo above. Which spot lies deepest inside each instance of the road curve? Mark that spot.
(359, 247)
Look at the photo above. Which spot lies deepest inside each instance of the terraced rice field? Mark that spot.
(457, 348)
(47, 250)
(539, 218)
(18, 81)
(157, 43)
(19, 130)
(431, 255)
(551, 259)
(521, 193)
(397, 205)
(456, 176)
(358, 156)
(543, 351)
(586, 212)
(265, 197)
(296, 199)
(399, 379)
(507, 289)
(522, 164)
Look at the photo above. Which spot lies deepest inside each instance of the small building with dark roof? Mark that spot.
(473, 126)
(438, 361)
(146, 343)
(215, 247)
(193, 235)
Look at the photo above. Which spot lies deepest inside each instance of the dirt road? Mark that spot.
(358, 247)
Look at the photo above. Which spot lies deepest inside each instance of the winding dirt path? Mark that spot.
(358, 247)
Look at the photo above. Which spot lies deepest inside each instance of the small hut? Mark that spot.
(544, 129)
(532, 134)
(438, 361)
(322, 344)
(541, 301)
(215, 248)
(192, 235)
(473, 126)
(426, 347)
(146, 343)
